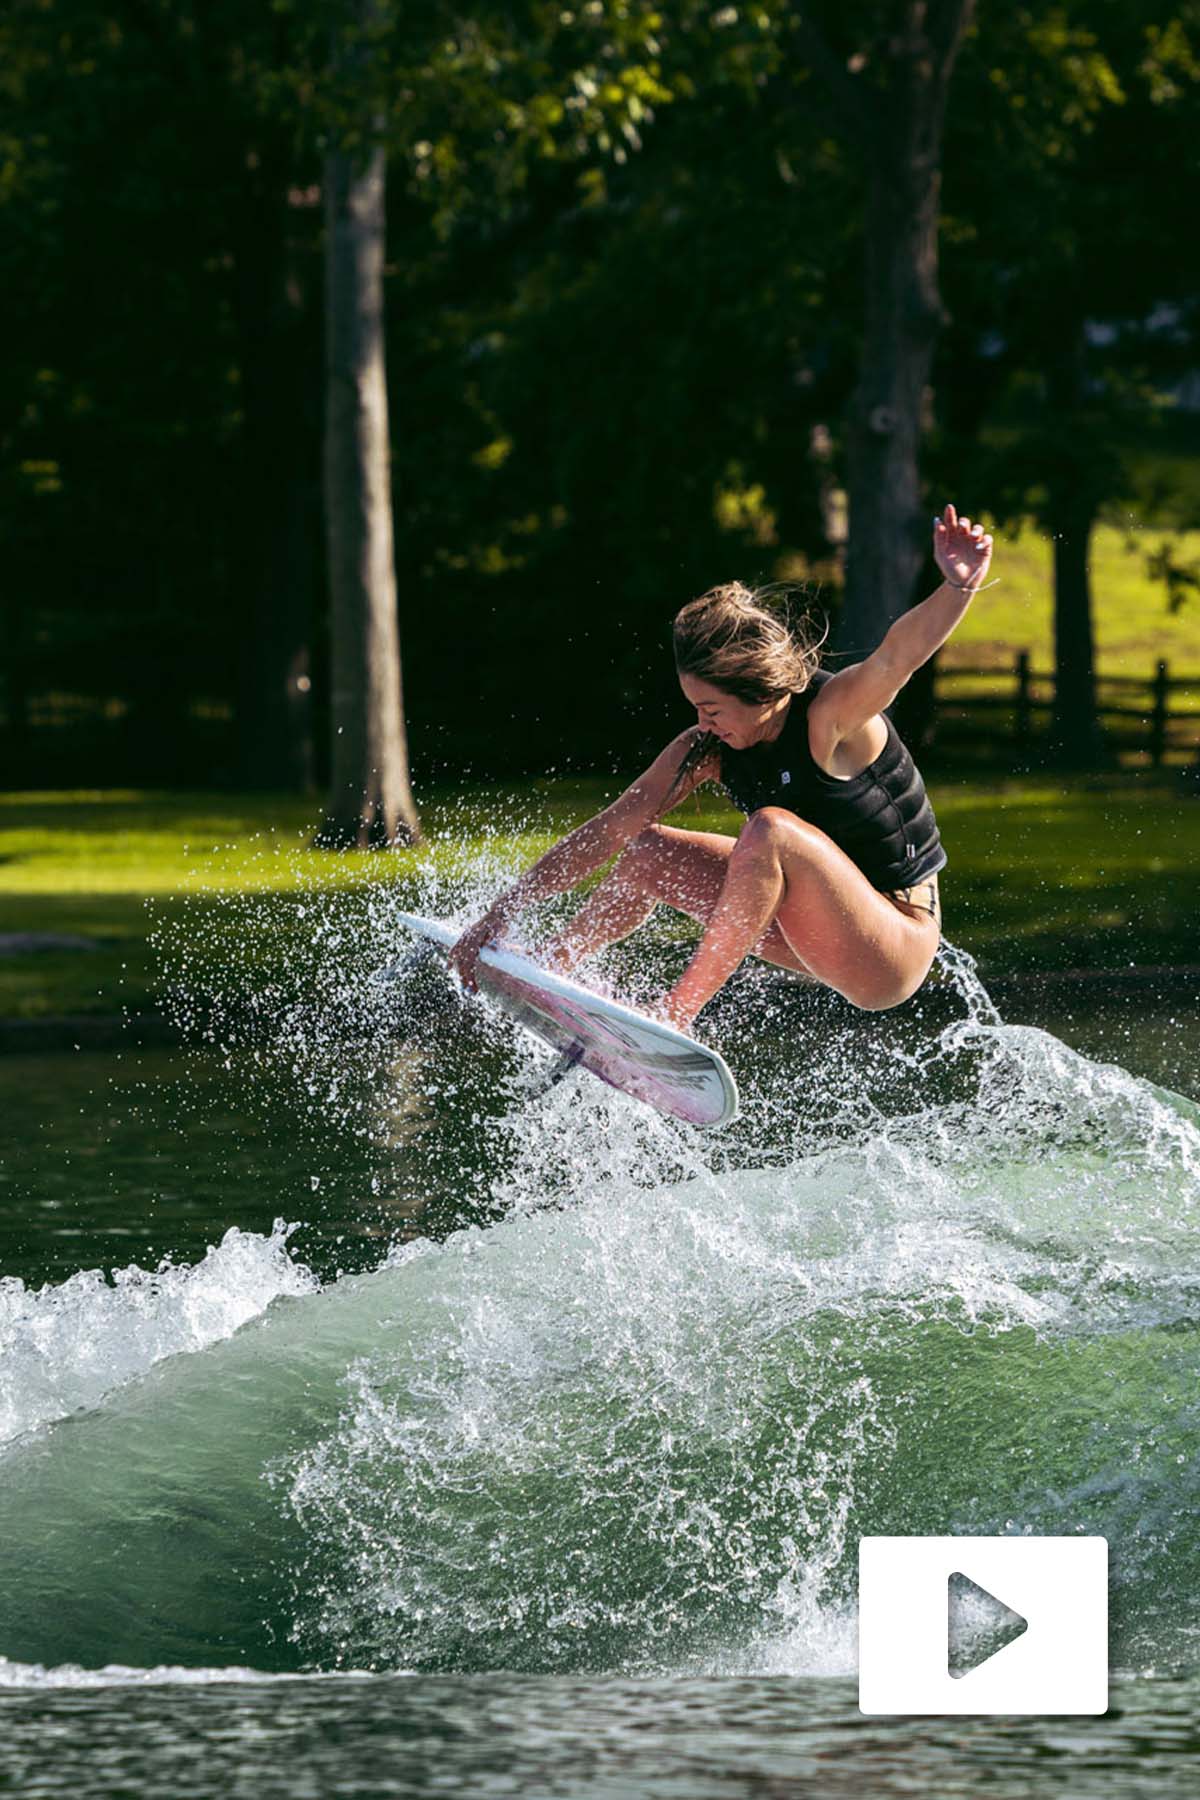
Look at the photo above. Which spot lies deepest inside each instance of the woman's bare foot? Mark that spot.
(668, 1011)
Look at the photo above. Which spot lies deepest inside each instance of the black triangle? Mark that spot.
(978, 1626)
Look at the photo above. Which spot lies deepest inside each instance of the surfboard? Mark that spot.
(643, 1057)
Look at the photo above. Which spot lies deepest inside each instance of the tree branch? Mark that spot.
(948, 22)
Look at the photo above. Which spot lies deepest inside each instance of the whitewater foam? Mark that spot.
(65, 1346)
(119, 1675)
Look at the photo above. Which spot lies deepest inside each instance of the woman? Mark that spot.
(835, 870)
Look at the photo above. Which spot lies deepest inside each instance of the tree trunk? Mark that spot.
(884, 426)
(370, 800)
(1075, 738)
(279, 332)
(897, 126)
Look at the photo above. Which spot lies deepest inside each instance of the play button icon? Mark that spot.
(978, 1625)
(983, 1625)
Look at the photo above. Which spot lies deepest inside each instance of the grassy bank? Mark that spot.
(1132, 623)
(1098, 873)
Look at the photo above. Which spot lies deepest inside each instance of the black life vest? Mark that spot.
(880, 817)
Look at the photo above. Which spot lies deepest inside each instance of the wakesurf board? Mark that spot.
(643, 1057)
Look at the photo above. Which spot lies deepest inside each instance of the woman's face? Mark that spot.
(738, 723)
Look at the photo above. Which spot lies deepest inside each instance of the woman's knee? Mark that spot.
(777, 827)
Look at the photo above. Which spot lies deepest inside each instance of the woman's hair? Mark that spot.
(746, 642)
(749, 643)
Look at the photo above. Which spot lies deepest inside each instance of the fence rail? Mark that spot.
(1155, 728)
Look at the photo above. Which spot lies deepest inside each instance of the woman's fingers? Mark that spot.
(949, 520)
(966, 546)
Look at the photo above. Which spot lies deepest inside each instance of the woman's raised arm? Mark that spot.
(859, 693)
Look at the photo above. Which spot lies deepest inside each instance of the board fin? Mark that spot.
(562, 1065)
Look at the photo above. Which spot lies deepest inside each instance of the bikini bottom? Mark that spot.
(919, 900)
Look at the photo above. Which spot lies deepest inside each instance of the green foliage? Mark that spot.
(1068, 281)
(624, 291)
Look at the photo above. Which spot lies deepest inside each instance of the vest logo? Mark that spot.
(785, 777)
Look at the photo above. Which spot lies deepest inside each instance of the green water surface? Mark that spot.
(110, 1159)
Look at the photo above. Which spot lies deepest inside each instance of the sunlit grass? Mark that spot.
(1043, 874)
(1133, 626)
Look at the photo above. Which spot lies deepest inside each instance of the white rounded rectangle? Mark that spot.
(1057, 1665)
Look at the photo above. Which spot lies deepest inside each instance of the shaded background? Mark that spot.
(624, 318)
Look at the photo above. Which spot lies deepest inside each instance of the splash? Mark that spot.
(621, 1395)
(63, 1348)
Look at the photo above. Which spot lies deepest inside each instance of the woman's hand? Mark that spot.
(464, 954)
(961, 550)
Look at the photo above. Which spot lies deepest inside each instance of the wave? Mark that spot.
(640, 1423)
(64, 1347)
(942, 1276)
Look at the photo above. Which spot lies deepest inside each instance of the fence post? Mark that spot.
(1158, 717)
(1023, 707)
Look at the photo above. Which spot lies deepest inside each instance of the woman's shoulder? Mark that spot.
(809, 692)
(798, 712)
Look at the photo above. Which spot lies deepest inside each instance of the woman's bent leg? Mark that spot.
(845, 932)
(683, 869)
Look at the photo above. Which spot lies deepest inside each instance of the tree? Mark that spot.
(389, 86)
(1072, 168)
(887, 99)
(880, 75)
(370, 798)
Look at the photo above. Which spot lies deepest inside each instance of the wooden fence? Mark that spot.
(1137, 713)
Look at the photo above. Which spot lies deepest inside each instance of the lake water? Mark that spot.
(368, 1428)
